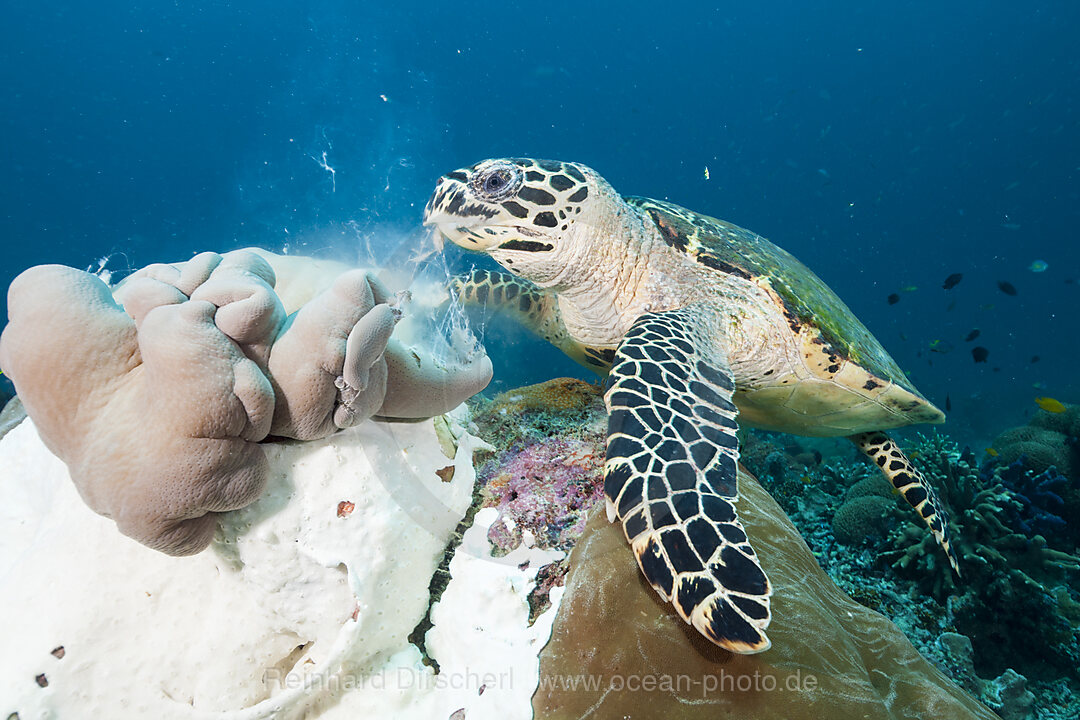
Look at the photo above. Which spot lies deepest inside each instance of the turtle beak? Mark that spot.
(457, 215)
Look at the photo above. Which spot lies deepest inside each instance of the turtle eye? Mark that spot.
(498, 182)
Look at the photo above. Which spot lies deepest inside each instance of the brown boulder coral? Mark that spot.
(619, 651)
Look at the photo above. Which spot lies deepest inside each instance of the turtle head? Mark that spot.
(534, 217)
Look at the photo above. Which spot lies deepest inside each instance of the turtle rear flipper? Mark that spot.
(670, 478)
(904, 476)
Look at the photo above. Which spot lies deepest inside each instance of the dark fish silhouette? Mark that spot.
(1034, 358)
(893, 299)
(952, 281)
(972, 335)
(980, 353)
(1006, 288)
(948, 404)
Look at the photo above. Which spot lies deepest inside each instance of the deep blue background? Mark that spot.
(886, 145)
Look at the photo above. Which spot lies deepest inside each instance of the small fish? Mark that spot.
(952, 281)
(980, 354)
(987, 306)
(1007, 288)
(1038, 266)
(706, 172)
(1038, 385)
(972, 335)
(991, 452)
(1049, 404)
(1034, 358)
(893, 299)
(1010, 225)
(948, 404)
(951, 306)
(941, 346)
(910, 288)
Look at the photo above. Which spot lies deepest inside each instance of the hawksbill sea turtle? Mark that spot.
(698, 322)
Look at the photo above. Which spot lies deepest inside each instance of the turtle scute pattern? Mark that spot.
(670, 477)
(805, 300)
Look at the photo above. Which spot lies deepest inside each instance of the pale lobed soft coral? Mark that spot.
(157, 407)
(158, 423)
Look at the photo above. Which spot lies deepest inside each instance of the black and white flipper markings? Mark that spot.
(670, 478)
(911, 484)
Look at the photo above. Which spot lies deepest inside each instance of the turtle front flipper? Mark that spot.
(903, 476)
(670, 478)
(533, 307)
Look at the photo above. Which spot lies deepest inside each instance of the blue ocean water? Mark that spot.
(886, 145)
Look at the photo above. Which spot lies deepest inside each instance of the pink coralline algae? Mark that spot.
(546, 474)
(543, 491)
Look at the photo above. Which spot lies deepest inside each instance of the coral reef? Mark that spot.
(862, 517)
(998, 610)
(553, 396)
(543, 475)
(875, 485)
(542, 456)
(1014, 699)
(1039, 506)
(93, 377)
(565, 407)
(1067, 422)
(1005, 596)
(617, 650)
(1048, 440)
(549, 451)
(201, 363)
(1007, 694)
(542, 492)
